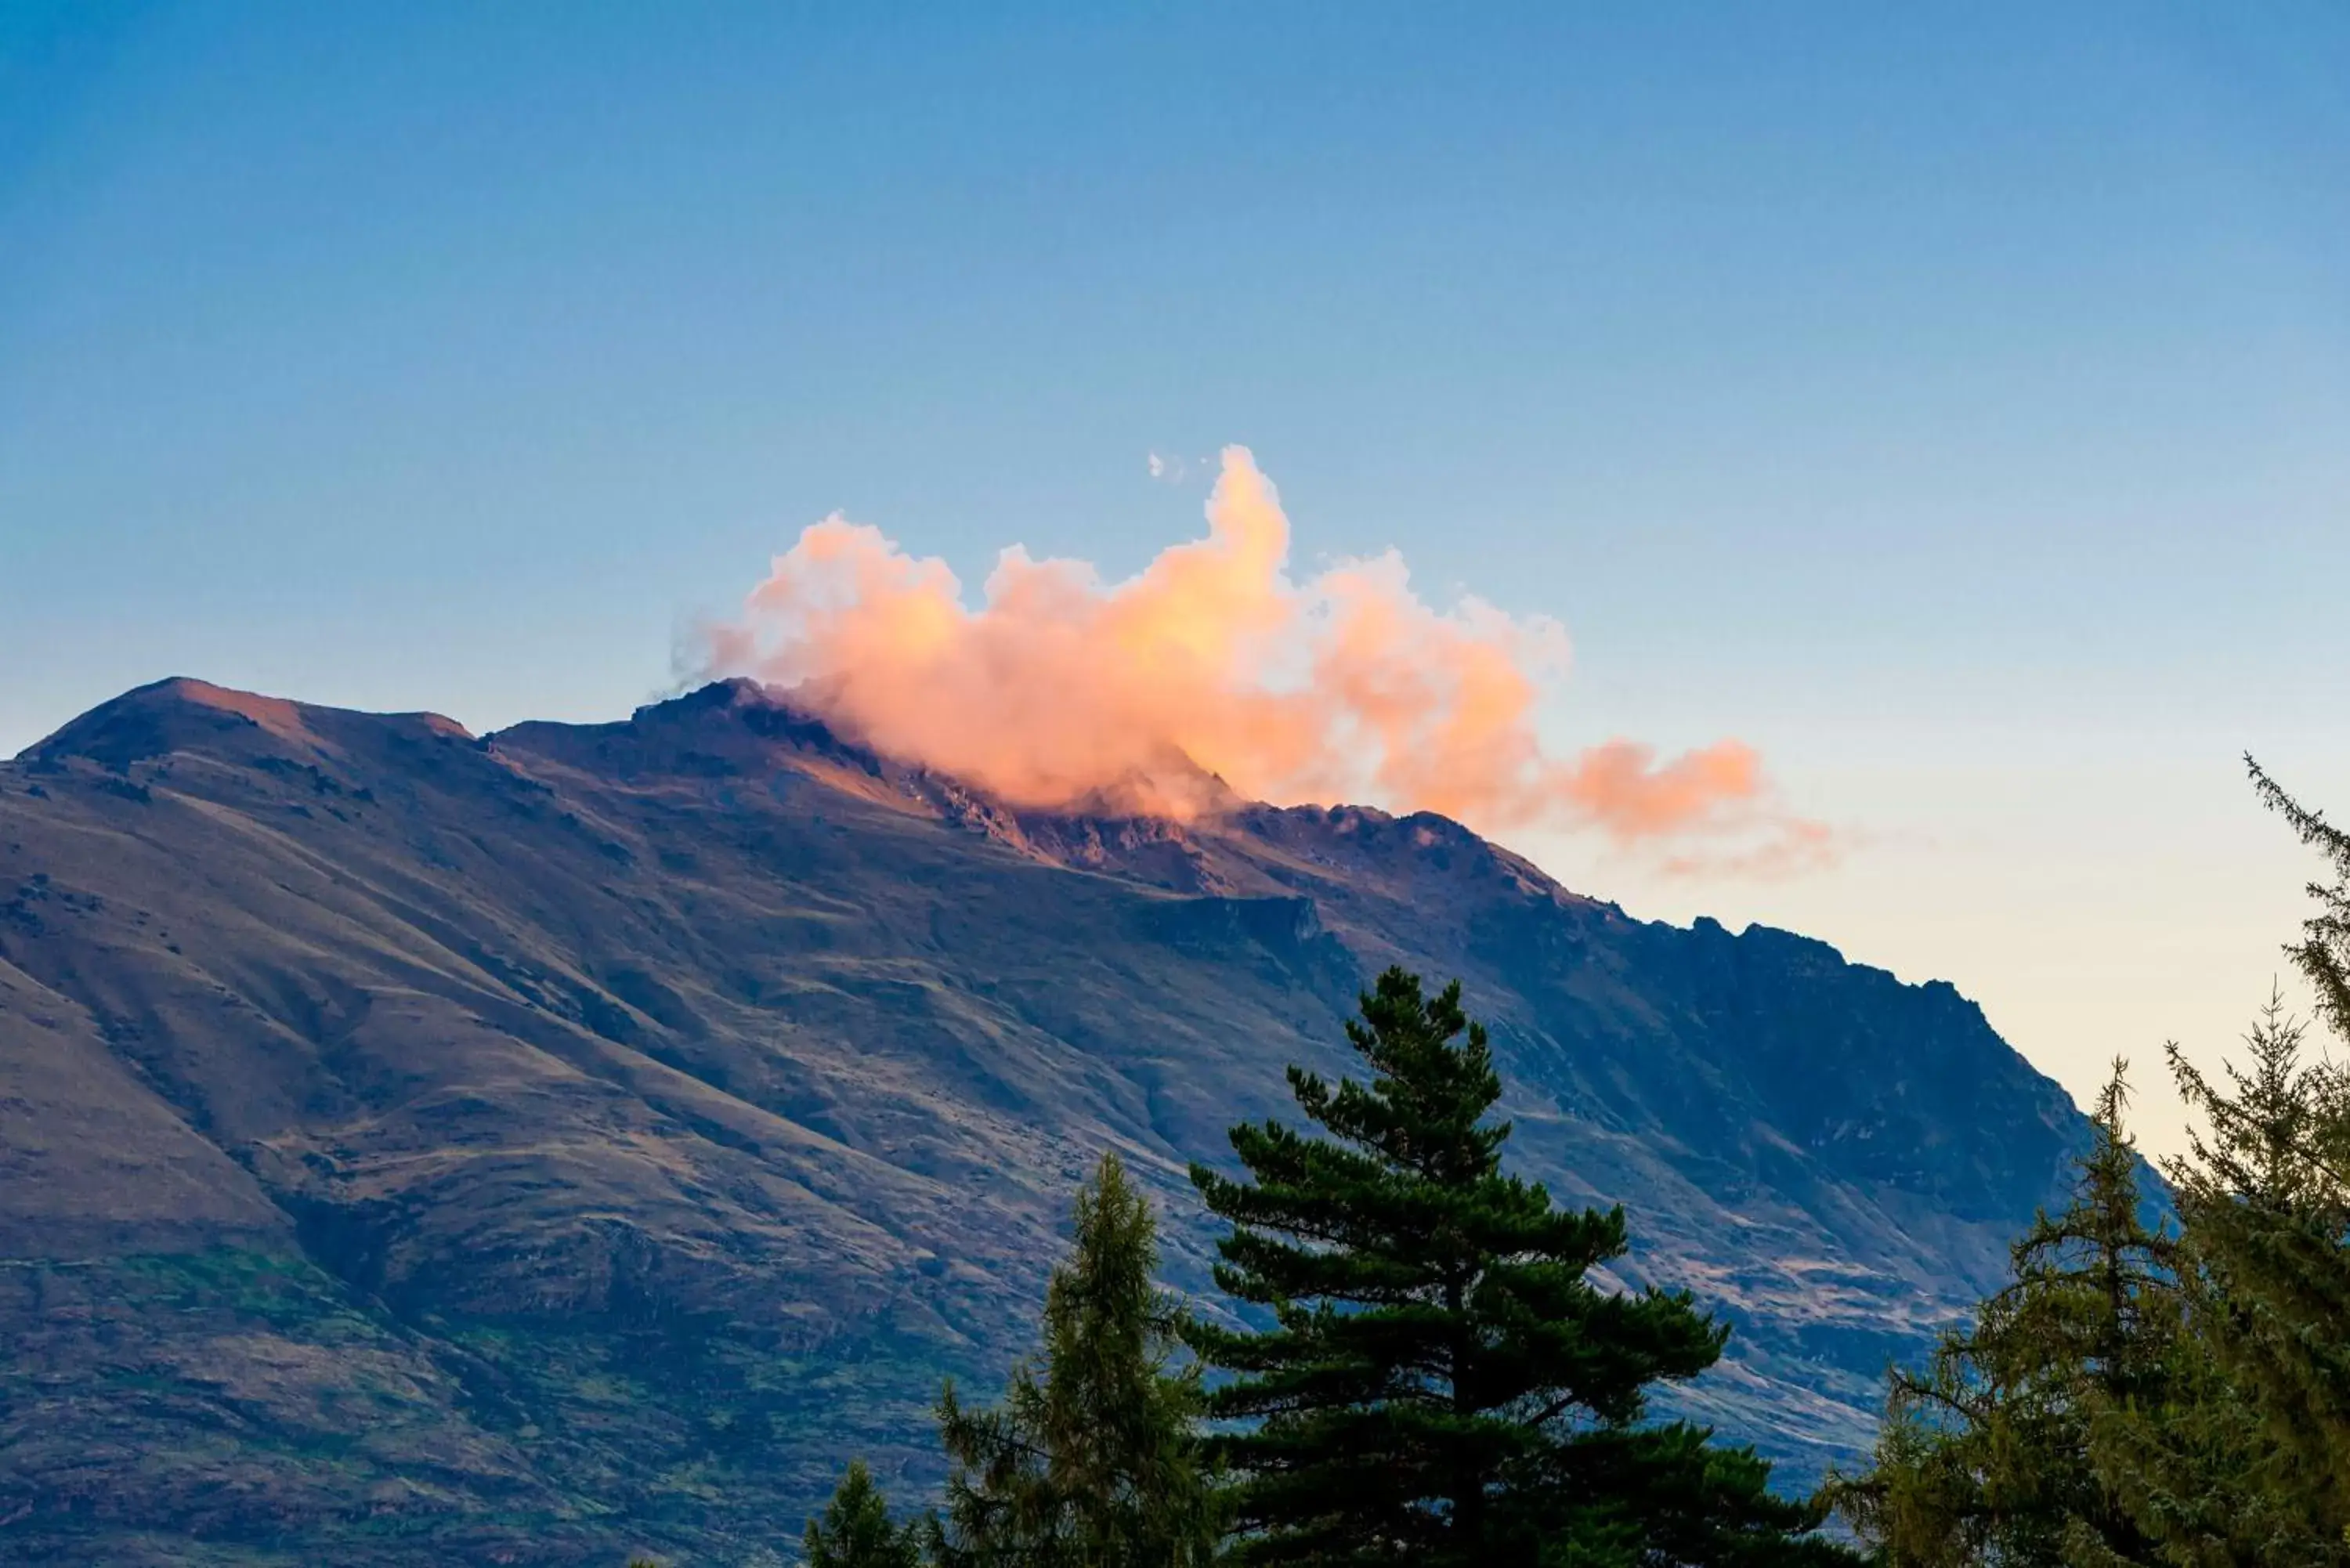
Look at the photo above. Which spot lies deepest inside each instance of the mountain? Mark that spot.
(524, 1148)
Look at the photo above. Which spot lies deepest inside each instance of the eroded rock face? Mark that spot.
(583, 1138)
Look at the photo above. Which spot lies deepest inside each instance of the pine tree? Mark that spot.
(1091, 1461)
(1443, 1384)
(1993, 1454)
(857, 1532)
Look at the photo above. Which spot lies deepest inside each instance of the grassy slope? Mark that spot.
(585, 1141)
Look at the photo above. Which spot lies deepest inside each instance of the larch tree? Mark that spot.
(2264, 1196)
(2258, 1469)
(857, 1532)
(1990, 1455)
(1091, 1461)
(2140, 1398)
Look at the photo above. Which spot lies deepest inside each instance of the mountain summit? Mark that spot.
(574, 1139)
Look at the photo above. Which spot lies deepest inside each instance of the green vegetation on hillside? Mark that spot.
(2175, 1396)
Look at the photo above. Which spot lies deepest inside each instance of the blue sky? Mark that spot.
(1953, 402)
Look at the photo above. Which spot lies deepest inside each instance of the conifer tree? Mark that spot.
(2201, 1477)
(1990, 1454)
(2210, 1427)
(1091, 1460)
(2252, 1463)
(2323, 954)
(1442, 1384)
(2266, 1207)
(857, 1532)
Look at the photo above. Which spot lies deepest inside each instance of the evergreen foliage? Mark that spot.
(1090, 1461)
(2267, 1214)
(1442, 1382)
(2323, 953)
(1429, 1375)
(857, 1532)
(1986, 1456)
(2136, 1398)
(2250, 1464)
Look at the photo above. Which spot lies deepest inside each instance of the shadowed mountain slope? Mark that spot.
(585, 1137)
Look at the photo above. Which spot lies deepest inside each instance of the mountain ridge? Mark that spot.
(642, 1111)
